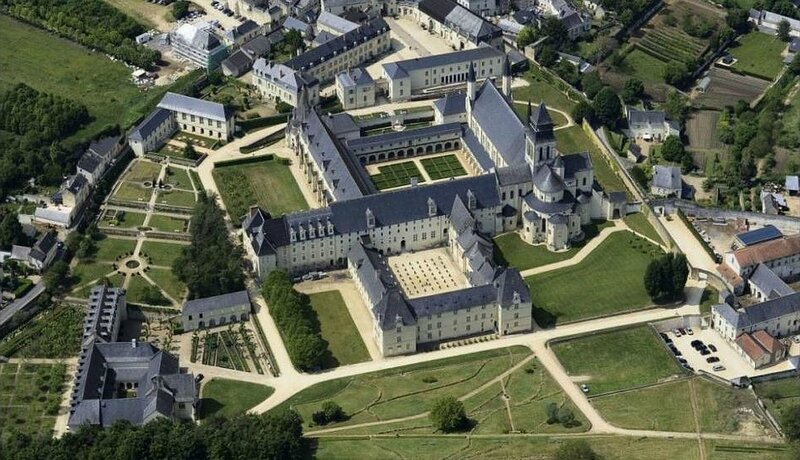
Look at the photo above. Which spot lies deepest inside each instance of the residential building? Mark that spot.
(335, 25)
(650, 125)
(349, 50)
(293, 23)
(576, 22)
(66, 204)
(456, 24)
(40, 255)
(242, 33)
(765, 285)
(277, 82)
(773, 203)
(198, 45)
(756, 236)
(480, 7)
(780, 255)
(413, 76)
(98, 157)
(760, 349)
(355, 89)
(780, 317)
(215, 311)
(198, 116)
(241, 60)
(667, 181)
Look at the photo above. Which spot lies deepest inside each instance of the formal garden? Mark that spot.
(234, 347)
(396, 175)
(443, 167)
(30, 397)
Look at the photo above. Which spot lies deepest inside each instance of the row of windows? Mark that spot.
(201, 120)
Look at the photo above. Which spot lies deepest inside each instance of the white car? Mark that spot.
(718, 368)
(584, 388)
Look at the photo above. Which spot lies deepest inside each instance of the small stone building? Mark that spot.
(215, 311)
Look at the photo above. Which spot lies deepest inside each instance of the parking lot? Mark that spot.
(735, 365)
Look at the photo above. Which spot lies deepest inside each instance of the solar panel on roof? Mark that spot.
(760, 235)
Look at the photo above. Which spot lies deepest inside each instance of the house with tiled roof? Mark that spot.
(759, 349)
(40, 255)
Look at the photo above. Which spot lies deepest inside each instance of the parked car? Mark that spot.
(712, 360)
(677, 332)
(682, 331)
(705, 352)
(712, 348)
(718, 367)
(696, 343)
(308, 277)
(689, 331)
(584, 388)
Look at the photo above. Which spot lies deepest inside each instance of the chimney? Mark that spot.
(133, 343)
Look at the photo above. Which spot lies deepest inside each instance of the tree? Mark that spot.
(56, 278)
(676, 107)
(582, 111)
(556, 32)
(737, 19)
(672, 149)
(633, 90)
(790, 422)
(591, 84)
(11, 232)
(547, 56)
(448, 415)
(575, 450)
(180, 9)
(665, 277)
(189, 151)
(607, 107)
(568, 72)
(293, 41)
(331, 412)
(676, 74)
(783, 30)
(526, 36)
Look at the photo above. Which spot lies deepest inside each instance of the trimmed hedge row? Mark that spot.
(263, 122)
(261, 143)
(243, 161)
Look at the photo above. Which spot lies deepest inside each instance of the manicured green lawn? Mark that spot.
(617, 360)
(574, 140)
(179, 178)
(646, 409)
(396, 175)
(168, 282)
(512, 251)
(167, 223)
(443, 167)
(143, 170)
(30, 397)
(57, 66)
(643, 66)
(123, 219)
(89, 271)
(639, 223)
(131, 191)
(539, 90)
(522, 111)
(230, 397)
(162, 254)
(615, 271)
(177, 198)
(405, 391)
(136, 288)
(110, 249)
(268, 184)
(337, 327)
(759, 54)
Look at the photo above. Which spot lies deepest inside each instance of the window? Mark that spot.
(398, 340)
(399, 329)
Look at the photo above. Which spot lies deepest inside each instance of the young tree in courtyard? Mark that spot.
(783, 30)
(666, 277)
(448, 415)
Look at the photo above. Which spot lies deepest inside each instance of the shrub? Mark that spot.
(448, 415)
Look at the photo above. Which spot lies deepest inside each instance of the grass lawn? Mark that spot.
(522, 111)
(779, 395)
(443, 167)
(512, 251)
(30, 397)
(110, 249)
(710, 298)
(396, 175)
(615, 270)
(759, 54)
(84, 272)
(645, 409)
(644, 67)
(269, 184)
(639, 223)
(177, 198)
(167, 281)
(179, 178)
(61, 67)
(617, 360)
(539, 90)
(123, 219)
(130, 191)
(344, 341)
(405, 391)
(142, 171)
(230, 397)
(167, 223)
(161, 254)
(115, 280)
(574, 140)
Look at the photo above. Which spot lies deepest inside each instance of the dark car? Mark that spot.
(712, 360)
(712, 348)
(705, 352)
(682, 331)
(696, 342)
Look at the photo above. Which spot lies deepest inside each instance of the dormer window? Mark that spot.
(431, 207)
(320, 228)
(311, 231)
(292, 234)
(302, 233)
(330, 228)
(370, 219)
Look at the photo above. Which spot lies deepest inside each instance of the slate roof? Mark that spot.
(88, 162)
(191, 105)
(238, 62)
(451, 104)
(457, 17)
(407, 136)
(551, 207)
(651, 117)
(388, 303)
(257, 47)
(336, 23)
(149, 124)
(761, 312)
(103, 305)
(575, 163)
(282, 75)
(769, 283)
(242, 29)
(354, 77)
(511, 175)
(477, 149)
(44, 245)
(326, 51)
(322, 38)
(500, 124)
(759, 235)
(547, 180)
(483, 51)
(292, 23)
(668, 177)
(104, 147)
(218, 302)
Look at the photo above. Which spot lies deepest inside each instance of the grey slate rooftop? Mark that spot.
(768, 282)
(232, 299)
(456, 57)
(349, 40)
(149, 124)
(456, 16)
(500, 123)
(760, 313)
(199, 107)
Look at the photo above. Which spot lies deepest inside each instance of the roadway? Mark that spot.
(17, 305)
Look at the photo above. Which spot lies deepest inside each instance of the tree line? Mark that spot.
(267, 436)
(211, 265)
(92, 23)
(296, 320)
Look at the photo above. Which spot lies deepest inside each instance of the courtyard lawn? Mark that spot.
(142, 171)
(512, 251)
(521, 109)
(167, 281)
(638, 223)
(268, 184)
(131, 191)
(161, 254)
(85, 272)
(574, 140)
(759, 54)
(136, 290)
(168, 223)
(60, 67)
(231, 397)
(30, 397)
(179, 178)
(615, 271)
(405, 391)
(178, 198)
(110, 249)
(617, 360)
(122, 219)
(396, 175)
(337, 327)
(443, 167)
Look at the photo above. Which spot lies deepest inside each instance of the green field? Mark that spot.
(759, 54)
(168, 223)
(779, 395)
(396, 175)
(512, 251)
(337, 328)
(167, 281)
(57, 66)
(122, 219)
(615, 270)
(539, 90)
(638, 223)
(443, 167)
(136, 289)
(643, 66)
(405, 391)
(574, 140)
(130, 191)
(141, 171)
(30, 397)
(110, 249)
(269, 184)
(617, 360)
(161, 254)
(85, 272)
(178, 198)
(230, 397)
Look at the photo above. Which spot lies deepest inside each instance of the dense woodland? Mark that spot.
(250, 437)
(32, 123)
(92, 23)
(211, 265)
(296, 320)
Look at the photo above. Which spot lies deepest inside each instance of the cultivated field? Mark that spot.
(728, 88)
(701, 129)
(30, 397)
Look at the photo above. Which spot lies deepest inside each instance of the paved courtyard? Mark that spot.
(427, 272)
